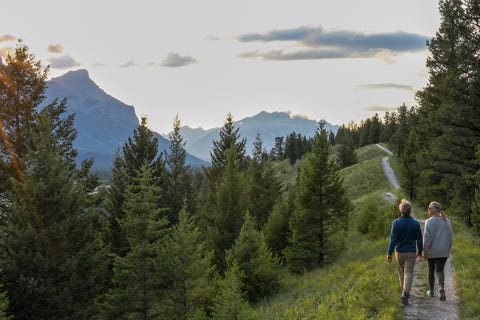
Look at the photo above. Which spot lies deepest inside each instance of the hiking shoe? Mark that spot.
(430, 293)
(442, 294)
(404, 298)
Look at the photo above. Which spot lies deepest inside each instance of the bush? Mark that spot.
(259, 266)
(374, 217)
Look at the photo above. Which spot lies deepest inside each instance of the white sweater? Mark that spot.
(437, 237)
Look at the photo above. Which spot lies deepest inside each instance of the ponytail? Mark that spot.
(443, 215)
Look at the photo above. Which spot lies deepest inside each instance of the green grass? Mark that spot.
(369, 152)
(286, 172)
(360, 284)
(364, 177)
(367, 175)
(466, 260)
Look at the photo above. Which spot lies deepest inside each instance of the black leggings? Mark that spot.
(436, 265)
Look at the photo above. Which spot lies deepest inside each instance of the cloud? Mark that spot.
(7, 37)
(378, 108)
(176, 60)
(128, 64)
(381, 86)
(317, 43)
(55, 48)
(63, 62)
(212, 37)
(283, 55)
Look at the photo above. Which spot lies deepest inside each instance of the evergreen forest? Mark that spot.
(296, 232)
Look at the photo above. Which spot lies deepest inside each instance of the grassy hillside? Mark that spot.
(360, 284)
(365, 177)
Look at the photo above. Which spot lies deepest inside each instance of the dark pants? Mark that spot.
(436, 265)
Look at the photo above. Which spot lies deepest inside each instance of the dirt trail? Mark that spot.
(420, 306)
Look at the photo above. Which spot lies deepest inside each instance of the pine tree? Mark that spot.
(406, 120)
(364, 130)
(143, 148)
(263, 185)
(321, 209)
(3, 306)
(278, 151)
(47, 242)
(331, 138)
(194, 272)
(255, 261)
(229, 139)
(22, 93)
(22, 89)
(140, 277)
(389, 126)
(346, 153)
(53, 262)
(223, 200)
(180, 187)
(114, 204)
(230, 302)
(409, 169)
(140, 149)
(449, 123)
(292, 148)
(228, 210)
(276, 230)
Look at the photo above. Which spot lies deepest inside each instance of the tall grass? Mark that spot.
(466, 260)
(359, 285)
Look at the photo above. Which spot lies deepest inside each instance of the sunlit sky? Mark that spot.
(337, 60)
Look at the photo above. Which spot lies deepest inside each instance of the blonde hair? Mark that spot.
(405, 207)
(437, 207)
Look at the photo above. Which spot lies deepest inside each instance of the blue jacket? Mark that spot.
(406, 236)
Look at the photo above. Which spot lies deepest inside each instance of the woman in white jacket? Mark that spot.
(437, 243)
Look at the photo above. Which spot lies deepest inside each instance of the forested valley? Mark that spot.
(160, 240)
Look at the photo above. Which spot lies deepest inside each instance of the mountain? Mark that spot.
(103, 122)
(268, 124)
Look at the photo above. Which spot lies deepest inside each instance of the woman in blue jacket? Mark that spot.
(406, 241)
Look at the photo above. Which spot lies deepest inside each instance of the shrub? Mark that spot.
(374, 217)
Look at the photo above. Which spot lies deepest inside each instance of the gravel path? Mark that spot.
(420, 306)
(423, 307)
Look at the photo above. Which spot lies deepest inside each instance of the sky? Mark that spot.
(337, 60)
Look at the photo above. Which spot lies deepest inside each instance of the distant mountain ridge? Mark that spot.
(103, 122)
(268, 124)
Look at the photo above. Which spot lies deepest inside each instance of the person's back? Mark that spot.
(438, 237)
(406, 240)
(406, 232)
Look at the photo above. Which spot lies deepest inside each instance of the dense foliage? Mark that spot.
(321, 210)
(50, 237)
